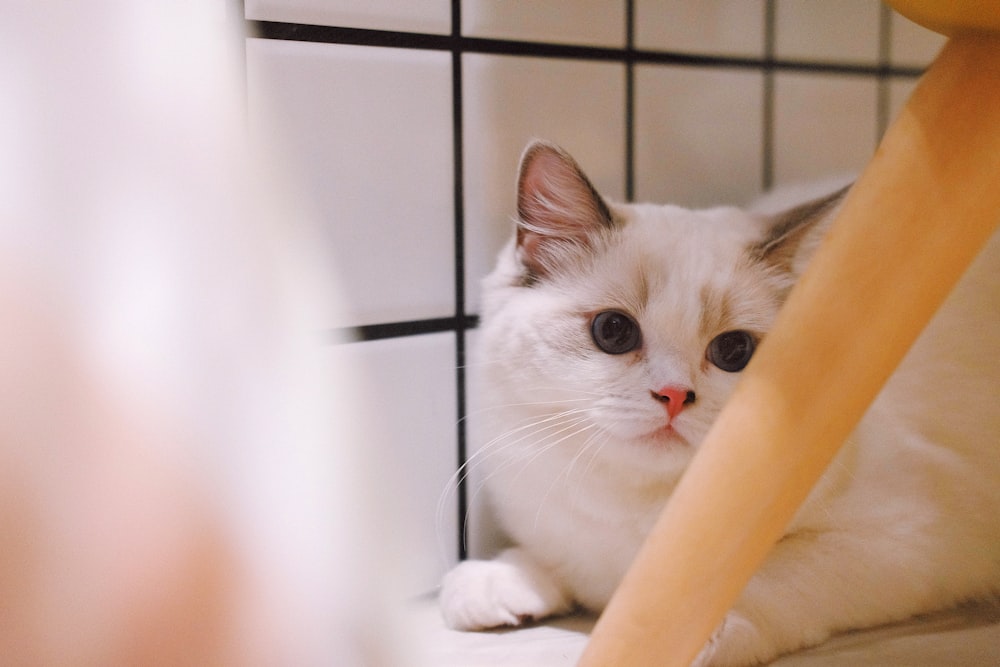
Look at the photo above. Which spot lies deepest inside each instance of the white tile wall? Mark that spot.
(912, 45)
(411, 395)
(410, 15)
(699, 135)
(510, 100)
(713, 27)
(823, 124)
(842, 31)
(371, 131)
(591, 22)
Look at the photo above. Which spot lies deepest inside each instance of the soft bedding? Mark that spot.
(964, 637)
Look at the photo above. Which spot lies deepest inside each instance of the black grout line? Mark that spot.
(767, 111)
(300, 32)
(381, 331)
(629, 100)
(410, 40)
(460, 318)
(808, 66)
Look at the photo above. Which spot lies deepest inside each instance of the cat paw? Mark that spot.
(508, 591)
(737, 642)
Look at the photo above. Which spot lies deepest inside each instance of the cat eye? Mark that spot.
(731, 351)
(615, 332)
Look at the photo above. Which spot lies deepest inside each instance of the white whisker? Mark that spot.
(546, 443)
(543, 428)
(550, 403)
(565, 472)
(541, 444)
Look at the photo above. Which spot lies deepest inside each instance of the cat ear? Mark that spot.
(559, 211)
(793, 235)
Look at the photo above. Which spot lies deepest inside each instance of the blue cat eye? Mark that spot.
(615, 332)
(731, 351)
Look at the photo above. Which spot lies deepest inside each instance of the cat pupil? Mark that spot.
(615, 332)
(731, 351)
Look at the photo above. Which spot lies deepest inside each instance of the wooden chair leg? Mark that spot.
(916, 218)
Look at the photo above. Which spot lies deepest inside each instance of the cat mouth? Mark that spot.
(666, 436)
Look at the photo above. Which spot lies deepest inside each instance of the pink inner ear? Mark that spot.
(531, 254)
(555, 198)
(558, 207)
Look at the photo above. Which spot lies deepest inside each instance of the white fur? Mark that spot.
(904, 521)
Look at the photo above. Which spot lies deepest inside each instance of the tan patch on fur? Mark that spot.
(716, 311)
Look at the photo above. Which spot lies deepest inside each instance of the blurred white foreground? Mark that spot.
(177, 481)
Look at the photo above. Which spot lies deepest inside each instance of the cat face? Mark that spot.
(624, 328)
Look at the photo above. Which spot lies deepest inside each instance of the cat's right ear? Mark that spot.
(559, 210)
(794, 235)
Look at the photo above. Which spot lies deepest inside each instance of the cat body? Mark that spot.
(613, 334)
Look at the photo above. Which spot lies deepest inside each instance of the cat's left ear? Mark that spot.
(559, 211)
(793, 235)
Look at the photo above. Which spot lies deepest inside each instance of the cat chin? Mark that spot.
(666, 436)
(654, 457)
(657, 437)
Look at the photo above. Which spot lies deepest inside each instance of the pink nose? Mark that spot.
(674, 399)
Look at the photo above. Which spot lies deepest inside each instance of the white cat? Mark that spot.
(612, 336)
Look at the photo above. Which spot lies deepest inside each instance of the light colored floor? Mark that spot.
(962, 638)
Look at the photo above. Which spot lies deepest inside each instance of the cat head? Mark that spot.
(624, 327)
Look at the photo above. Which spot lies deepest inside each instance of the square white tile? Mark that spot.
(912, 45)
(509, 100)
(698, 135)
(709, 27)
(591, 22)
(432, 16)
(369, 132)
(842, 31)
(899, 93)
(407, 395)
(824, 125)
